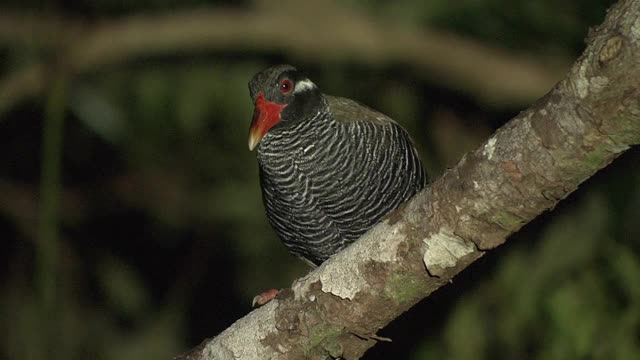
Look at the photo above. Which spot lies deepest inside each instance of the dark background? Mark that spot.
(159, 238)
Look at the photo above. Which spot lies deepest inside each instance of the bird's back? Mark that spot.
(326, 182)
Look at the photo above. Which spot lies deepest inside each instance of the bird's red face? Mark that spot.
(266, 114)
(283, 95)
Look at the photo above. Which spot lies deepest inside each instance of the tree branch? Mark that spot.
(524, 169)
(333, 33)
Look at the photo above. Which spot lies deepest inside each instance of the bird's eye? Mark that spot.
(285, 86)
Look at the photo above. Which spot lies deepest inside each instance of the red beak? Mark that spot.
(265, 115)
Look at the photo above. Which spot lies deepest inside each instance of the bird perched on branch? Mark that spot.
(330, 168)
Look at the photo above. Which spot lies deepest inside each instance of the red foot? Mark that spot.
(265, 297)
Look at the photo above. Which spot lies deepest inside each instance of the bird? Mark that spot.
(329, 167)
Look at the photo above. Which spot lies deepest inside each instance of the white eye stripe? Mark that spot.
(303, 85)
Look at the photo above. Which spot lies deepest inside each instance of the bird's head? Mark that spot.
(282, 96)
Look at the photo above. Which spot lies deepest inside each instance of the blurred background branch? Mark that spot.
(332, 34)
(48, 247)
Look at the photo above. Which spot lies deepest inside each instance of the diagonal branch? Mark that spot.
(524, 169)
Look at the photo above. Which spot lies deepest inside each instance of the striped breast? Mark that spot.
(327, 180)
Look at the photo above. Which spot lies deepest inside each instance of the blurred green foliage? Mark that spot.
(162, 235)
(544, 25)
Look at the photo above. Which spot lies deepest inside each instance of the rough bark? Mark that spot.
(524, 169)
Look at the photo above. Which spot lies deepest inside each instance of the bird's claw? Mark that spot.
(264, 298)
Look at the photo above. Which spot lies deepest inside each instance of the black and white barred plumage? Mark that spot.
(330, 168)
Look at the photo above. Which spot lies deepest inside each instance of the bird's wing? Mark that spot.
(374, 168)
